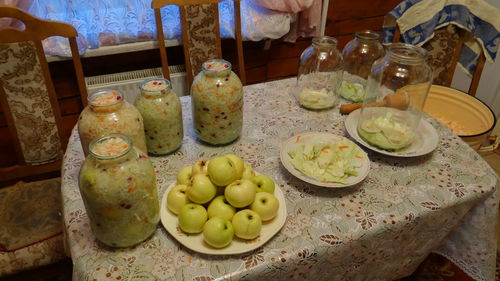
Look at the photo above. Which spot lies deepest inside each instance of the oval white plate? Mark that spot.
(196, 243)
(311, 138)
(426, 141)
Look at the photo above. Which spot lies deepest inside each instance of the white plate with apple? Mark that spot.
(357, 158)
(196, 242)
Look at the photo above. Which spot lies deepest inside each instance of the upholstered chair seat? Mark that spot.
(31, 225)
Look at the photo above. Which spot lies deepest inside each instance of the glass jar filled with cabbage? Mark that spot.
(217, 101)
(359, 55)
(161, 111)
(320, 74)
(118, 187)
(109, 113)
(395, 95)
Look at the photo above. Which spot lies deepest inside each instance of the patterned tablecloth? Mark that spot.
(381, 229)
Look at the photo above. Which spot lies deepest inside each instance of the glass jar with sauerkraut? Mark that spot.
(109, 113)
(217, 101)
(118, 187)
(161, 111)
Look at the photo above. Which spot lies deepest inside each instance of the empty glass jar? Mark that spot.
(395, 95)
(359, 55)
(320, 73)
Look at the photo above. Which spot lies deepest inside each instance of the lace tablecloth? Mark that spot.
(381, 229)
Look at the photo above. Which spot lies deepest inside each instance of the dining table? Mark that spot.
(443, 202)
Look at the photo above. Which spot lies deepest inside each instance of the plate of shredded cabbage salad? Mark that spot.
(425, 141)
(325, 159)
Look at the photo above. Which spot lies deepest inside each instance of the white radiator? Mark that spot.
(128, 82)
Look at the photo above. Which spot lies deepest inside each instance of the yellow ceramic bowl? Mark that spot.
(467, 116)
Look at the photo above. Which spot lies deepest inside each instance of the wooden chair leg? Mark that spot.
(476, 76)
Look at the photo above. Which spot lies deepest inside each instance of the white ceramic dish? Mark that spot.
(311, 138)
(238, 246)
(426, 141)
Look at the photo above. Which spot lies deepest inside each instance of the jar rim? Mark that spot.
(324, 41)
(407, 52)
(166, 81)
(103, 138)
(206, 68)
(94, 95)
(367, 35)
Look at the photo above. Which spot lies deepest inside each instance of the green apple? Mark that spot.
(240, 193)
(266, 205)
(247, 224)
(201, 190)
(200, 166)
(222, 171)
(238, 163)
(218, 232)
(184, 175)
(263, 183)
(192, 218)
(248, 172)
(177, 198)
(220, 208)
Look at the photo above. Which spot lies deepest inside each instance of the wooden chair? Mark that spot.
(200, 34)
(27, 96)
(448, 40)
(31, 226)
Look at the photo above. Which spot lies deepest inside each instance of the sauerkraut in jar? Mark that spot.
(161, 111)
(118, 187)
(109, 113)
(217, 100)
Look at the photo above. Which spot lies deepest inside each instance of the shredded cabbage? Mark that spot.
(386, 133)
(352, 91)
(328, 162)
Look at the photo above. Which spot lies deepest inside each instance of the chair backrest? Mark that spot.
(200, 34)
(443, 53)
(27, 96)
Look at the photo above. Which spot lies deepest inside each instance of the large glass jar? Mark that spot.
(161, 111)
(359, 55)
(320, 73)
(118, 187)
(217, 101)
(109, 113)
(396, 91)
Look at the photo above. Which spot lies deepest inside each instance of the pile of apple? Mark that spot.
(222, 197)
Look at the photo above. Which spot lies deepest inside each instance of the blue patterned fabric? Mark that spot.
(459, 15)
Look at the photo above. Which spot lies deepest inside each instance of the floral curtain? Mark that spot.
(110, 22)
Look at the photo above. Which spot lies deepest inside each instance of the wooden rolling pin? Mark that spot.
(397, 100)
